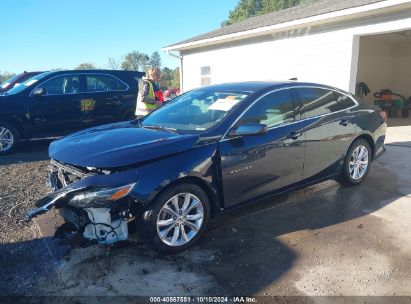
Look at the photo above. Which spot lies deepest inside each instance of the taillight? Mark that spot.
(384, 116)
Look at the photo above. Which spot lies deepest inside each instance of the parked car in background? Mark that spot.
(16, 80)
(56, 103)
(171, 93)
(210, 150)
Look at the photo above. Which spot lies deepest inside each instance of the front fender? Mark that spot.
(201, 163)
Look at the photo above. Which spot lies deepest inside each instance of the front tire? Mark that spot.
(356, 164)
(9, 138)
(176, 219)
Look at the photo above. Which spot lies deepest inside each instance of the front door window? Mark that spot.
(273, 109)
(69, 84)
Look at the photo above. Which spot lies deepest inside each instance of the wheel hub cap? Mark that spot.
(180, 219)
(6, 139)
(359, 162)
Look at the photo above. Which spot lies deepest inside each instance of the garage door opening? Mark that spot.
(384, 63)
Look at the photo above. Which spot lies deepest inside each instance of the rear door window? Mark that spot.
(104, 83)
(317, 101)
(343, 102)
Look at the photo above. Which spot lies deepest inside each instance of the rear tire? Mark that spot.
(171, 231)
(356, 164)
(9, 138)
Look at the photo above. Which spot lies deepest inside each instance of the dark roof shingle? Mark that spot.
(299, 12)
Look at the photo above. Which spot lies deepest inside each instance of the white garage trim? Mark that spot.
(354, 63)
(361, 11)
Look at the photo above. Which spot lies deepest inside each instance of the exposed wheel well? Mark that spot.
(200, 183)
(370, 141)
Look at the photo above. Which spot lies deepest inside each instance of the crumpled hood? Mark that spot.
(118, 145)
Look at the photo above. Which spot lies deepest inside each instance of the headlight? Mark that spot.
(101, 197)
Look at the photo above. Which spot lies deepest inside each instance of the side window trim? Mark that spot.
(295, 97)
(84, 89)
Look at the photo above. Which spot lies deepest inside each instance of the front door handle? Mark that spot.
(39, 120)
(294, 135)
(344, 122)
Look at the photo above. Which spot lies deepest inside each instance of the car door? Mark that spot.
(255, 165)
(329, 133)
(58, 107)
(108, 95)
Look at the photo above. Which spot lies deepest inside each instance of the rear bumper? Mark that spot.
(379, 152)
(379, 138)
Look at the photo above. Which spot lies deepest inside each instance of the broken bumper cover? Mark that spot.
(96, 205)
(106, 210)
(49, 201)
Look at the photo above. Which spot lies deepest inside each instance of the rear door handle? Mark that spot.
(294, 135)
(344, 122)
(117, 103)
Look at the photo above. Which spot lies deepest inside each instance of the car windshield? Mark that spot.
(29, 82)
(8, 81)
(197, 110)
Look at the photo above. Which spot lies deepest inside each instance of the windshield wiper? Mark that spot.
(155, 127)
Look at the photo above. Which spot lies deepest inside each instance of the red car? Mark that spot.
(171, 93)
(16, 80)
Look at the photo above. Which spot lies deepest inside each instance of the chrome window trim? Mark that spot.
(223, 138)
(74, 74)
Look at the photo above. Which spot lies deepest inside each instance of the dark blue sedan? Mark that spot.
(209, 150)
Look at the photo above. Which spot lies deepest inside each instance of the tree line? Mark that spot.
(133, 61)
(137, 61)
(250, 8)
(5, 75)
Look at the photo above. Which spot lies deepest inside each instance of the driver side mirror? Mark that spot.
(250, 129)
(39, 91)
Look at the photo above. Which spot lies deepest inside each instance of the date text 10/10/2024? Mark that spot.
(203, 299)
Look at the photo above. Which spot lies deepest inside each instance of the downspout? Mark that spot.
(181, 68)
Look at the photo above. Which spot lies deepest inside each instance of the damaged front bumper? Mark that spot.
(89, 205)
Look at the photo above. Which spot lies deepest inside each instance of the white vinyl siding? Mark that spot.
(326, 55)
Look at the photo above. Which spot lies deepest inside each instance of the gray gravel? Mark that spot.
(22, 181)
(20, 185)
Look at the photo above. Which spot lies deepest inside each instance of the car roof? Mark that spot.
(31, 72)
(96, 71)
(256, 86)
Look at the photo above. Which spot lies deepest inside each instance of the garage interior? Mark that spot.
(384, 62)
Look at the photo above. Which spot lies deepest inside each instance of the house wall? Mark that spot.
(326, 54)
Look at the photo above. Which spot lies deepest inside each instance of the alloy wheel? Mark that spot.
(359, 162)
(180, 219)
(6, 139)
